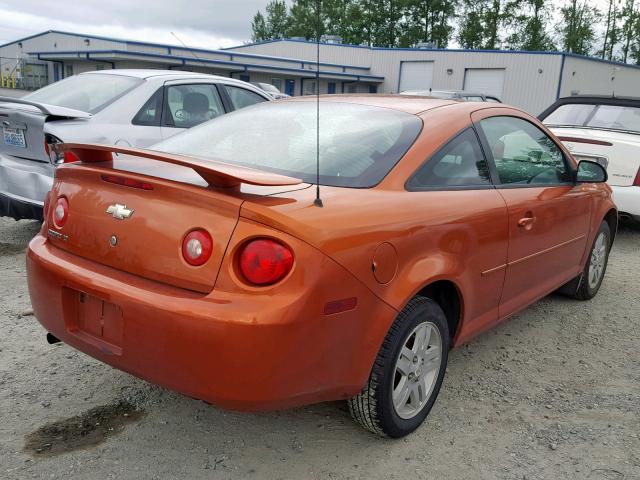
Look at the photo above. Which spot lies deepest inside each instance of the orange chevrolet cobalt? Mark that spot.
(231, 265)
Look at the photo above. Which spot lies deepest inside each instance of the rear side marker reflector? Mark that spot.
(338, 306)
(127, 182)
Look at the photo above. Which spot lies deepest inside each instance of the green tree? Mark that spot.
(259, 30)
(612, 31)
(302, 19)
(630, 16)
(577, 27)
(471, 32)
(427, 21)
(277, 19)
(275, 24)
(530, 23)
(634, 48)
(485, 21)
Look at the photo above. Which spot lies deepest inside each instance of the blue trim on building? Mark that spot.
(241, 66)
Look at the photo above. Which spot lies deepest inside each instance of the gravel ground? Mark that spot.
(553, 393)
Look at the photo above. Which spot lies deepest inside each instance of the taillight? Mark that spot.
(636, 182)
(264, 261)
(70, 157)
(49, 142)
(197, 247)
(61, 212)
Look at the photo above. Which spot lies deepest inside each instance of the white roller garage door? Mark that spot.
(489, 81)
(416, 76)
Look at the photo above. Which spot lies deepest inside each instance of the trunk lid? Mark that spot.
(175, 201)
(22, 126)
(620, 151)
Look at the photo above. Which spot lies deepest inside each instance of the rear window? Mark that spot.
(613, 117)
(359, 144)
(87, 93)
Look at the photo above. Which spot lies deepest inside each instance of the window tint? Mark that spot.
(150, 112)
(570, 114)
(616, 117)
(359, 144)
(89, 93)
(460, 163)
(190, 105)
(523, 153)
(241, 97)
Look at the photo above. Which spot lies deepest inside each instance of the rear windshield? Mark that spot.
(359, 144)
(87, 93)
(611, 117)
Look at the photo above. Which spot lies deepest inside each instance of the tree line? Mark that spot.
(576, 26)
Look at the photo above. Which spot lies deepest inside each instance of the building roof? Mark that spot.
(454, 50)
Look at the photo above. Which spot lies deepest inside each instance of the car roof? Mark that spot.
(149, 72)
(404, 103)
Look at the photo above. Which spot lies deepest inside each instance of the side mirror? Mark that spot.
(591, 172)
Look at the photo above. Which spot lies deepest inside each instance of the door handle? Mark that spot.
(527, 222)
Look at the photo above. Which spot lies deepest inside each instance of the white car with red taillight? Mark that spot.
(128, 108)
(605, 130)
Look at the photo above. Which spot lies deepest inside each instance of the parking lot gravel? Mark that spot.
(553, 393)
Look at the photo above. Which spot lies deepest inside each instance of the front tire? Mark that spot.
(596, 266)
(407, 374)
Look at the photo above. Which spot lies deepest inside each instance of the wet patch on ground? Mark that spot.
(81, 431)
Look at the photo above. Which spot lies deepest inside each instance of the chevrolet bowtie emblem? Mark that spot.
(119, 212)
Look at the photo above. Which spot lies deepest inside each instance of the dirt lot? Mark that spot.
(554, 393)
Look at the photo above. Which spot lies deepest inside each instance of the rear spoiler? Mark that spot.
(213, 172)
(48, 109)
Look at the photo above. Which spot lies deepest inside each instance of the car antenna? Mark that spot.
(185, 46)
(318, 200)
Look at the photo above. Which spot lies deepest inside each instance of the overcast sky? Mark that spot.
(198, 23)
(201, 23)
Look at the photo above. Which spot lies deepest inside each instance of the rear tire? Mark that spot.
(594, 270)
(407, 374)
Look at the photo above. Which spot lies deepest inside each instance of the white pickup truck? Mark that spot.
(606, 130)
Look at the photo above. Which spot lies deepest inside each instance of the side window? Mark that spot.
(460, 163)
(151, 111)
(241, 97)
(523, 154)
(189, 105)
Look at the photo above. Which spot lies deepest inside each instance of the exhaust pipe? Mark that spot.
(52, 339)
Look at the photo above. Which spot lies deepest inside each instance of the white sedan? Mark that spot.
(606, 130)
(129, 108)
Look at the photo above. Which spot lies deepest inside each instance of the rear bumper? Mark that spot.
(23, 186)
(243, 352)
(627, 199)
(19, 209)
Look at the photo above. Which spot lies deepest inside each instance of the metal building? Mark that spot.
(35, 61)
(529, 80)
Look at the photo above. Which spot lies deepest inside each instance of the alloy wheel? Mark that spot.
(416, 370)
(598, 260)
